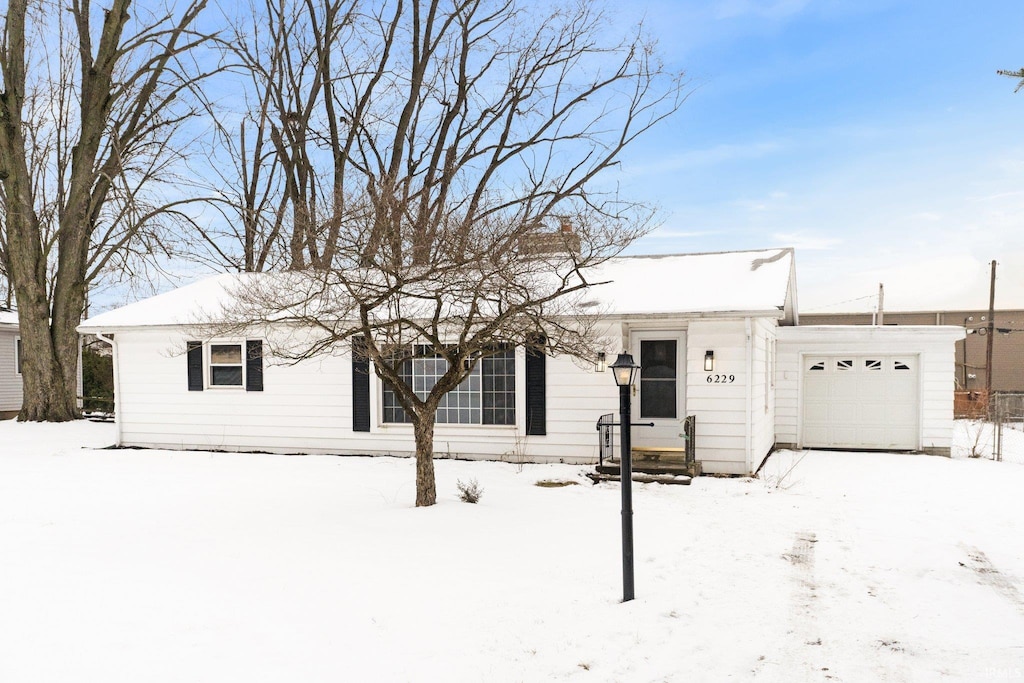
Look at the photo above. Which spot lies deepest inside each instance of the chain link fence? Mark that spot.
(1007, 414)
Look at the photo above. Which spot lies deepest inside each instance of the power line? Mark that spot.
(847, 301)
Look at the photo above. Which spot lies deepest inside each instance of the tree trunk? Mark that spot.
(49, 373)
(426, 490)
(55, 184)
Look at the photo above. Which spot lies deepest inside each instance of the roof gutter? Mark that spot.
(117, 385)
(676, 317)
(774, 313)
(749, 446)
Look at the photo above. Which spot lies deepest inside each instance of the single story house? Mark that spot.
(10, 365)
(716, 337)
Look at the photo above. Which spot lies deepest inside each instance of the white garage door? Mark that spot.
(860, 402)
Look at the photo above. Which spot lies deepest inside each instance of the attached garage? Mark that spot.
(870, 388)
(864, 402)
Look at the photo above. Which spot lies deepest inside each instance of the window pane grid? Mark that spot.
(499, 388)
(393, 410)
(486, 396)
(461, 405)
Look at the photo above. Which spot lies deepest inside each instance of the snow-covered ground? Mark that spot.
(127, 565)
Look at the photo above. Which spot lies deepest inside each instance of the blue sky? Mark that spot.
(872, 135)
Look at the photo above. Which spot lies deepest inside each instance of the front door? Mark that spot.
(659, 393)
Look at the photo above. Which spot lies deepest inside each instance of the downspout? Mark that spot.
(749, 458)
(117, 386)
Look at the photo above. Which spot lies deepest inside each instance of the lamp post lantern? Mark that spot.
(624, 372)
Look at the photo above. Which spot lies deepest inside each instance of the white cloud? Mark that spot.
(941, 282)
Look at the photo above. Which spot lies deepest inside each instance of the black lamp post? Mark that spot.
(624, 372)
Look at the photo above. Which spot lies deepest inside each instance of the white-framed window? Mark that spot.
(226, 364)
(486, 397)
(17, 355)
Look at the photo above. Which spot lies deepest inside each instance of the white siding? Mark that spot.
(762, 400)
(720, 407)
(10, 380)
(735, 419)
(307, 408)
(934, 347)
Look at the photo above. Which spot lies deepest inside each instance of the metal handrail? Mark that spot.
(606, 434)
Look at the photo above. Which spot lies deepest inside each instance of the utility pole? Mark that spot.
(881, 303)
(991, 334)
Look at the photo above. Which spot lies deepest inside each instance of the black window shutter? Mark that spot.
(536, 393)
(360, 386)
(254, 365)
(195, 365)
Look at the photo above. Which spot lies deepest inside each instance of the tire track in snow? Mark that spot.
(805, 643)
(989, 575)
(802, 554)
(805, 612)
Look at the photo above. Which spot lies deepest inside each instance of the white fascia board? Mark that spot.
(698, 315)
(871, 333)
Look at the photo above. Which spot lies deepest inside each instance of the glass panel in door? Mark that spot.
(658, 370)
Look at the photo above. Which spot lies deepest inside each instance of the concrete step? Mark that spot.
(642, 478)
(655, 466)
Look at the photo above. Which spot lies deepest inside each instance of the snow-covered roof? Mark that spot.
(733, 281)
(741, 281)
(181, 306)
(8, 317)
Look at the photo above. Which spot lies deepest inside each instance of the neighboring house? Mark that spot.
(10, 365)
(716, 337)
(971, 373)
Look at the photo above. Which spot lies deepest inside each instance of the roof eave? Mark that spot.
(752, 313)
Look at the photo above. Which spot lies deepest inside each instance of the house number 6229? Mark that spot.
(721, 379)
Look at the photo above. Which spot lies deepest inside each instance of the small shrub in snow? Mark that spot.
(469, 492)
(978, 438)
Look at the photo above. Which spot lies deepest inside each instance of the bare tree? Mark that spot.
(275, 179)
(442, 161)
(1018, 74)
(92, 108)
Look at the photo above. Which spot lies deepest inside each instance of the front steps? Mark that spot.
(653, 465)
(639, 477)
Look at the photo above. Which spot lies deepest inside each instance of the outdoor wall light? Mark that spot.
(709, 361)
(602, 362)
(624, 370)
